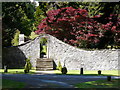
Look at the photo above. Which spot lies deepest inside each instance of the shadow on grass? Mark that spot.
(7, 84)
(103, 84)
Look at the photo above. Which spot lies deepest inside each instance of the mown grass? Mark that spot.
(12, 84)
(17, 71)
(70, 72)
(115, 83)
(91, 73)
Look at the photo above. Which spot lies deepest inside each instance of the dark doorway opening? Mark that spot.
(43, 47)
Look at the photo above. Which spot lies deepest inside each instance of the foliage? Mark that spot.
(108, 8)
(25, 17)
(33, 35)
(28, 65)
(38, 15)
(43, 41)
(59, 67)
(75, 27)
(16, 16)
(19, 15)
(64, 70)
(15, 40)
(43, 50)
(43, 47)
(93, 8)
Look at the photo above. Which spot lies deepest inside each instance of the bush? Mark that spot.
(64, 70)
(33, 35)
(28, 66)
(15, 40)
(59, 67)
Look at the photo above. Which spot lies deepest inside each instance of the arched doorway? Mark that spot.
(43, 47)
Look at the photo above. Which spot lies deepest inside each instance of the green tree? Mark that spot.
(16, 15)
(39, 14)
(15, 41)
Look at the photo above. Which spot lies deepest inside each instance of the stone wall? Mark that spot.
(16, 56)
(72, 57)
(75, 58)
(32, 50)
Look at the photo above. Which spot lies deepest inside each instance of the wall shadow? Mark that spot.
(54, 65)
(13, 57)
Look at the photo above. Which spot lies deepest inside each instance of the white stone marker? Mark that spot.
(21, 39)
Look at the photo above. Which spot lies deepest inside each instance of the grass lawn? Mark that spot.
(70, 72)
(115, 83)
(17, 71)
(94, 73)
(12, 84)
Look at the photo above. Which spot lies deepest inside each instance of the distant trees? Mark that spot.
(16, 15)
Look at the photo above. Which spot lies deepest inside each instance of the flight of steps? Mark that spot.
(44, 64)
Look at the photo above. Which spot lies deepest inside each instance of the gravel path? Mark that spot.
(52, 80)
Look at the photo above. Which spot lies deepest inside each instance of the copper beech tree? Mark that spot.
(76, 28)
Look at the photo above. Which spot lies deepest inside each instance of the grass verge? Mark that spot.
(91, 73)
(115, 83)
(12, 84)
(70, 72)
(17, 71)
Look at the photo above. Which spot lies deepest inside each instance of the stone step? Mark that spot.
(44, 67)
(44, 64)
(44, 59)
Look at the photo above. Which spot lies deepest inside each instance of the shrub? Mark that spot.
(59, 67)
(15, 40)
(33, 35)
(28, 66)
(64, 70)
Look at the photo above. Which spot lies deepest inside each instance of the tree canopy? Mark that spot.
(81, 28)
(48, 17)
(16, 16)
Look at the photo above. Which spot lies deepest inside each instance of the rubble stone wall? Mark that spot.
(74, 58)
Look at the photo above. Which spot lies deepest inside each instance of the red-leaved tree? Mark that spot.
(74, 27)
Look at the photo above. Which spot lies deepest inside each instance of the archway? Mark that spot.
(43, 47)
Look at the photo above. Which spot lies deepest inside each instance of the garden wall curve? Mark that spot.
(73, 58)
(14, 57)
